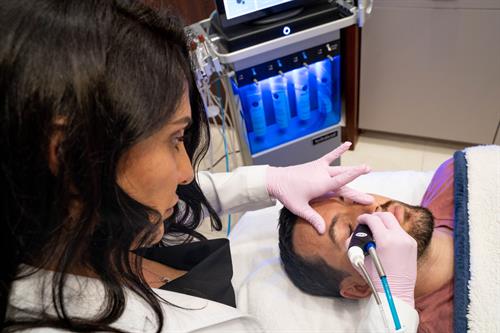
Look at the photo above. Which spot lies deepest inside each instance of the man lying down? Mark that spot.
(318, 264)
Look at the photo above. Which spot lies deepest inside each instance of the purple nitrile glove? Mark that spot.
(295, 186)
(397, 252)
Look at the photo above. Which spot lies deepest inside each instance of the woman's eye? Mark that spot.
(178, 140)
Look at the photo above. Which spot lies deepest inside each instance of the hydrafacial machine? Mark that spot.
(279, 64)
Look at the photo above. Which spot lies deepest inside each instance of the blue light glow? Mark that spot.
(290, 106)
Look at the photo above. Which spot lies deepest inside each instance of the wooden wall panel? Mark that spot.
(190, 10)
(351, 41)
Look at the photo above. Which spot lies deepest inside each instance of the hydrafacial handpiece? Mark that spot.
(360, 245)
(362, 236)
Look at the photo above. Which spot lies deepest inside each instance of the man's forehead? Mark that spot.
(321, 202)
(305, 238)
(307, 243)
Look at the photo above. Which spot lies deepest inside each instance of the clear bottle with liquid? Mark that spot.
(323, 72)
(256, 109)
(301, 85)
(281, 105)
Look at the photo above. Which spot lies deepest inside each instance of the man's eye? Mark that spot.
(351, 230)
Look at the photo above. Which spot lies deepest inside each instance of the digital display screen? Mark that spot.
(236, 8)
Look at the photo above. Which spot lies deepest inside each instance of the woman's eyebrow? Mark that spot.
(183, 120)
(331, 230)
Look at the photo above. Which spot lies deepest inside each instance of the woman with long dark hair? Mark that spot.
(101, 131)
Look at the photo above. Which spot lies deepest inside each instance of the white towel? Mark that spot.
(483, 173)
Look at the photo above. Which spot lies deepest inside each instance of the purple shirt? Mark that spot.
(436, 309)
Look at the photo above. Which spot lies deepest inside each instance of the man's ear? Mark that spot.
(354, 288)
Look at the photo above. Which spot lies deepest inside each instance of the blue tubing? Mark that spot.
(388, 295)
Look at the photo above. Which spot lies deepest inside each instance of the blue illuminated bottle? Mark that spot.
(301, 86)
(281, 105)
(323, 72)
(256, 108)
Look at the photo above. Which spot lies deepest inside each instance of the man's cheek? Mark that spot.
(347, 241)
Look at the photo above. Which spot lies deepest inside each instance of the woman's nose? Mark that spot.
(184, 168)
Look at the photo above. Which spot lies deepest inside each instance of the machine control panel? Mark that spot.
(287, 63)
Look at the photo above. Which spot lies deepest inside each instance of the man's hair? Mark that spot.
(311, 275)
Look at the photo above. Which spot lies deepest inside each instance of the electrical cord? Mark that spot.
(222, 157)
(210, 71)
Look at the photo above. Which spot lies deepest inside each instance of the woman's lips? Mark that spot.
(169, 211)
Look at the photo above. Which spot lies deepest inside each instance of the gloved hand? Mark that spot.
(295, 186)
(397, 252)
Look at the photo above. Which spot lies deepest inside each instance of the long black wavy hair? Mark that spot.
(113, 70)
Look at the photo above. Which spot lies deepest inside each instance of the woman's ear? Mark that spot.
(53, 148)
(55, 140)
(354, 288)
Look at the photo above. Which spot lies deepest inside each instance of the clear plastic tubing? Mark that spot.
(257, 112)
(301, 86)
(280, 101)
(384, 318)
(356, 257)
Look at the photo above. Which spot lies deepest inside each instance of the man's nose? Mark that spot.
(368, 209)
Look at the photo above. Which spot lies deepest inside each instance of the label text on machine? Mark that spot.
(325, 137)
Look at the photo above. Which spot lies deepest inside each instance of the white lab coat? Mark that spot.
(183, 313)
(243, 189)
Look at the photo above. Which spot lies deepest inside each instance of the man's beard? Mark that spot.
(419, 224)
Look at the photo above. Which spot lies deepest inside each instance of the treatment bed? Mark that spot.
(261, 285)
(263, 289)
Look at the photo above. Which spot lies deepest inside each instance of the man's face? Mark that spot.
(341, 215)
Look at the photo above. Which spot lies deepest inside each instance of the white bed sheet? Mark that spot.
(261, 286)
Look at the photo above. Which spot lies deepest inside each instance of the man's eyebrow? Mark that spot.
(331, 230)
